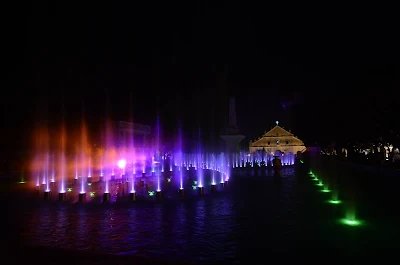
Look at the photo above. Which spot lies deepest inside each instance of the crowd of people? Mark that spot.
(374, 153)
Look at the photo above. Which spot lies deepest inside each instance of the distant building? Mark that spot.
(128, 131)
(277, 141)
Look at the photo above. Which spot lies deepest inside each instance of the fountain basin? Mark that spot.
(62, 196)
(132, 196)
(106, 197)
(82, 197)
(47, 195)
(181, 193)
(200, 190)
(158, 195)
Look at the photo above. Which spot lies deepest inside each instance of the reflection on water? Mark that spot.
(184, 229)
(204, 229)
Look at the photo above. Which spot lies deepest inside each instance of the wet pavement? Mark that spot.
(259, 218)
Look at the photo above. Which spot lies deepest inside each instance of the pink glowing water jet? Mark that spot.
(122, 163)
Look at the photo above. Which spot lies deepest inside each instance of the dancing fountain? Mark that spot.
(132, 172)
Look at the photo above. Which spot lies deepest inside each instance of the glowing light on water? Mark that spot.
(194, 185)
(325, 190)
(350, 222)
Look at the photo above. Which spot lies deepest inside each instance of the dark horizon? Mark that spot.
(340, 77)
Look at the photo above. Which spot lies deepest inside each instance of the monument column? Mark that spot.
(232, 137)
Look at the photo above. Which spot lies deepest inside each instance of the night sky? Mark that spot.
(339, 66)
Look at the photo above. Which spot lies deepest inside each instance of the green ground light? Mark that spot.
(335, 201)
(89, 184)
(315, 179)
(21, 182)
(92, 194)
(350, 222)
(320, 184)
(325, 190)
(69, 189)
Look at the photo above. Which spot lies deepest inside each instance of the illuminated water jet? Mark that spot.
(62, 173)
(76, 167)
(133, 183)
(89, 177)
(181, 178)
(82, 185)
(158, 182)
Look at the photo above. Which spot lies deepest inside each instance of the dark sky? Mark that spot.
(184, 60)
